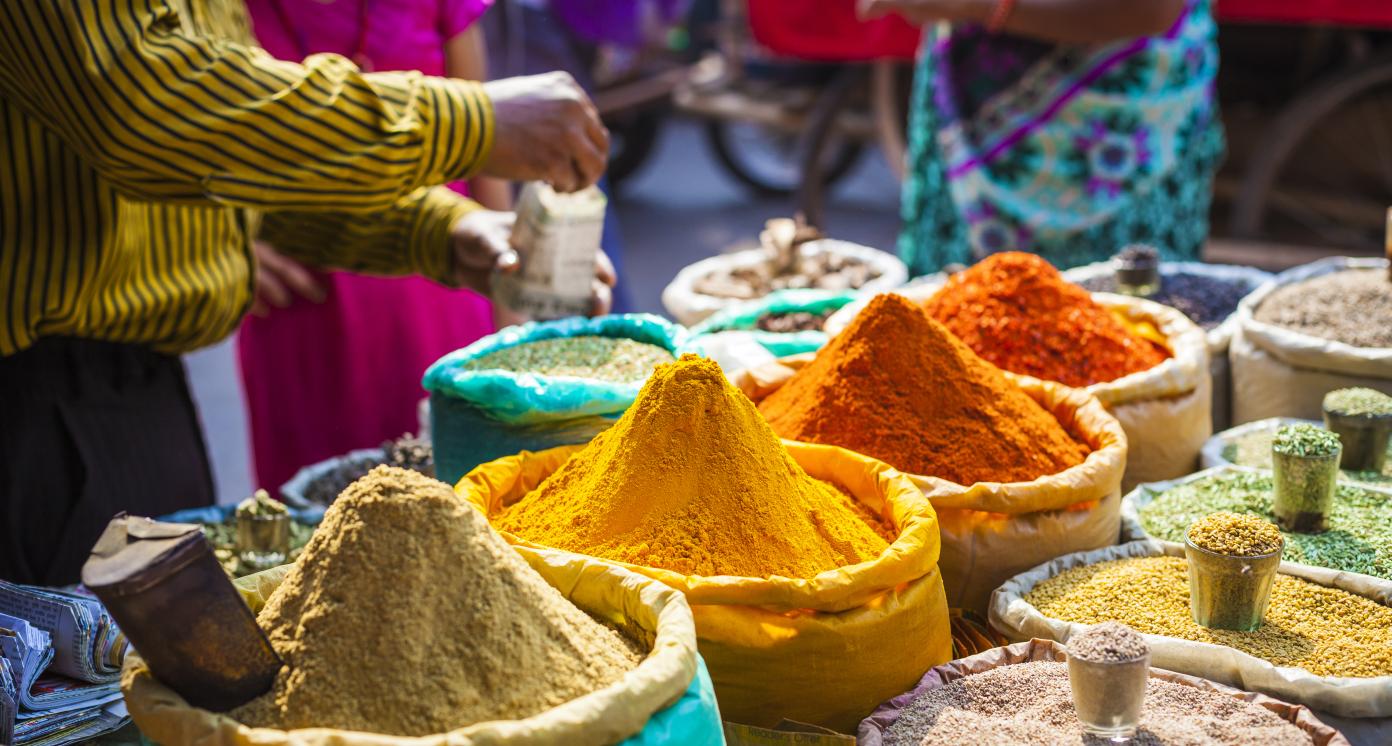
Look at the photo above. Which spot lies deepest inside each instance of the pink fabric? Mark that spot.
(323, 379)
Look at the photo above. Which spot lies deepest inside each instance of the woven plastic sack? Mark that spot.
(1219, 337)
(823, 650)
(294, 491)
(872, 729)
(1018, 620)
(667, 699)
(1165, 411)
(745, 317)
(690, 307)
(1279, 372)
(477, 416)
(990, 530)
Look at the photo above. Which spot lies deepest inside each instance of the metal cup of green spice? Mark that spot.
(263, 532)
(1305, 463)
(1362, 418)
(1232, 562)
(1108, 667)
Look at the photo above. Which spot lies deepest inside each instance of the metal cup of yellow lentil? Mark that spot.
(1232, 561)
(1362, 418)
(1305, 469)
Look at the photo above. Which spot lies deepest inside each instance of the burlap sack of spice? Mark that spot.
(1165, 411)
(1219, 337)
(872, 728)
(666, 699)
(1280, 372)
(1349, 697)
(823, 650)
(991, 531)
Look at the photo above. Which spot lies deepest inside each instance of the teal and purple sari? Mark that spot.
(1069, 152)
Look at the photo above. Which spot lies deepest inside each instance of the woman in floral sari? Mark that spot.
(1068, 128)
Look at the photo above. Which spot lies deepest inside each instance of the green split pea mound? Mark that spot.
(407, 615)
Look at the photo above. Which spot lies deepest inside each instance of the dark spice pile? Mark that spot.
(793, 321)
(406, 452)
(1207, 301)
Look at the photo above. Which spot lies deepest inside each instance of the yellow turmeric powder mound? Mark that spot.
(692, 479)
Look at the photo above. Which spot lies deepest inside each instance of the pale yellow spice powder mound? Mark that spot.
(408, 615)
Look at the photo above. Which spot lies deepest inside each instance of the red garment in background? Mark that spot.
(325, 378)
(829, 31)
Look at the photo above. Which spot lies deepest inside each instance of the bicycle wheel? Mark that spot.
(770, 162)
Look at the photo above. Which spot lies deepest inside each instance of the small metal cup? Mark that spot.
(1227, 592)
(1109, 697)
(1304, 490)
(1364, 439)
(263, 541)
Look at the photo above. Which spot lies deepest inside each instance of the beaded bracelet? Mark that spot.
(999, 15)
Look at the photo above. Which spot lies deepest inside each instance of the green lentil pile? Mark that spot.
(1325, 631)
(1235, 534)
(1358, 402)
(1254, 449)
(613, 359)
(1304, 440)
(1358, 538)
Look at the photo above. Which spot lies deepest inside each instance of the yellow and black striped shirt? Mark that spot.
(144, 142)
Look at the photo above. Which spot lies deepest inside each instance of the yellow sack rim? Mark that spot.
(493, 486)
(1078, 487)
(624, 598)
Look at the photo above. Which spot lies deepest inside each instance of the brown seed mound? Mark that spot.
(408, 615)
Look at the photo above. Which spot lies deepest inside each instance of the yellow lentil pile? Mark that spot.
(1325, 631)
(1235, 534)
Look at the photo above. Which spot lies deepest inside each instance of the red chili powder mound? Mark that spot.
(896, 385)
(1017, 311)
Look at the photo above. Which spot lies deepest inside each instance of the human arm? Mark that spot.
(432, 232)
(1058, 21)
(466, 58)
(168, 113)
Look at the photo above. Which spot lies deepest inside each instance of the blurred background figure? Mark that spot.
(344, 352)
(1064, 128)
(579, 37)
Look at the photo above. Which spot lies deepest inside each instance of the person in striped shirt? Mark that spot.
(143, 145)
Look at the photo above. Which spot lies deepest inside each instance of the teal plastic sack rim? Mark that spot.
(530, 398)
(745, 316)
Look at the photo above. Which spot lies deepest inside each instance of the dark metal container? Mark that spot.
(166, 591)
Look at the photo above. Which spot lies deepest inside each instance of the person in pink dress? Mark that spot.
(332, 361)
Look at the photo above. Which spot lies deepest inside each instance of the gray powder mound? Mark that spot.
(408, 615)
(1032, 703)
(1108, 642)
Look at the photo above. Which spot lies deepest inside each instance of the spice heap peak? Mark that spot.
(408, 615)
(896, 385)
(1017, 311)
(692, 479)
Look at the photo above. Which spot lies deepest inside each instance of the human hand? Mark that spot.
(546, 129)
(482, 246)
(279, 279)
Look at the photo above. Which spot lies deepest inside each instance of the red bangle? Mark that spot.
(999, 15)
